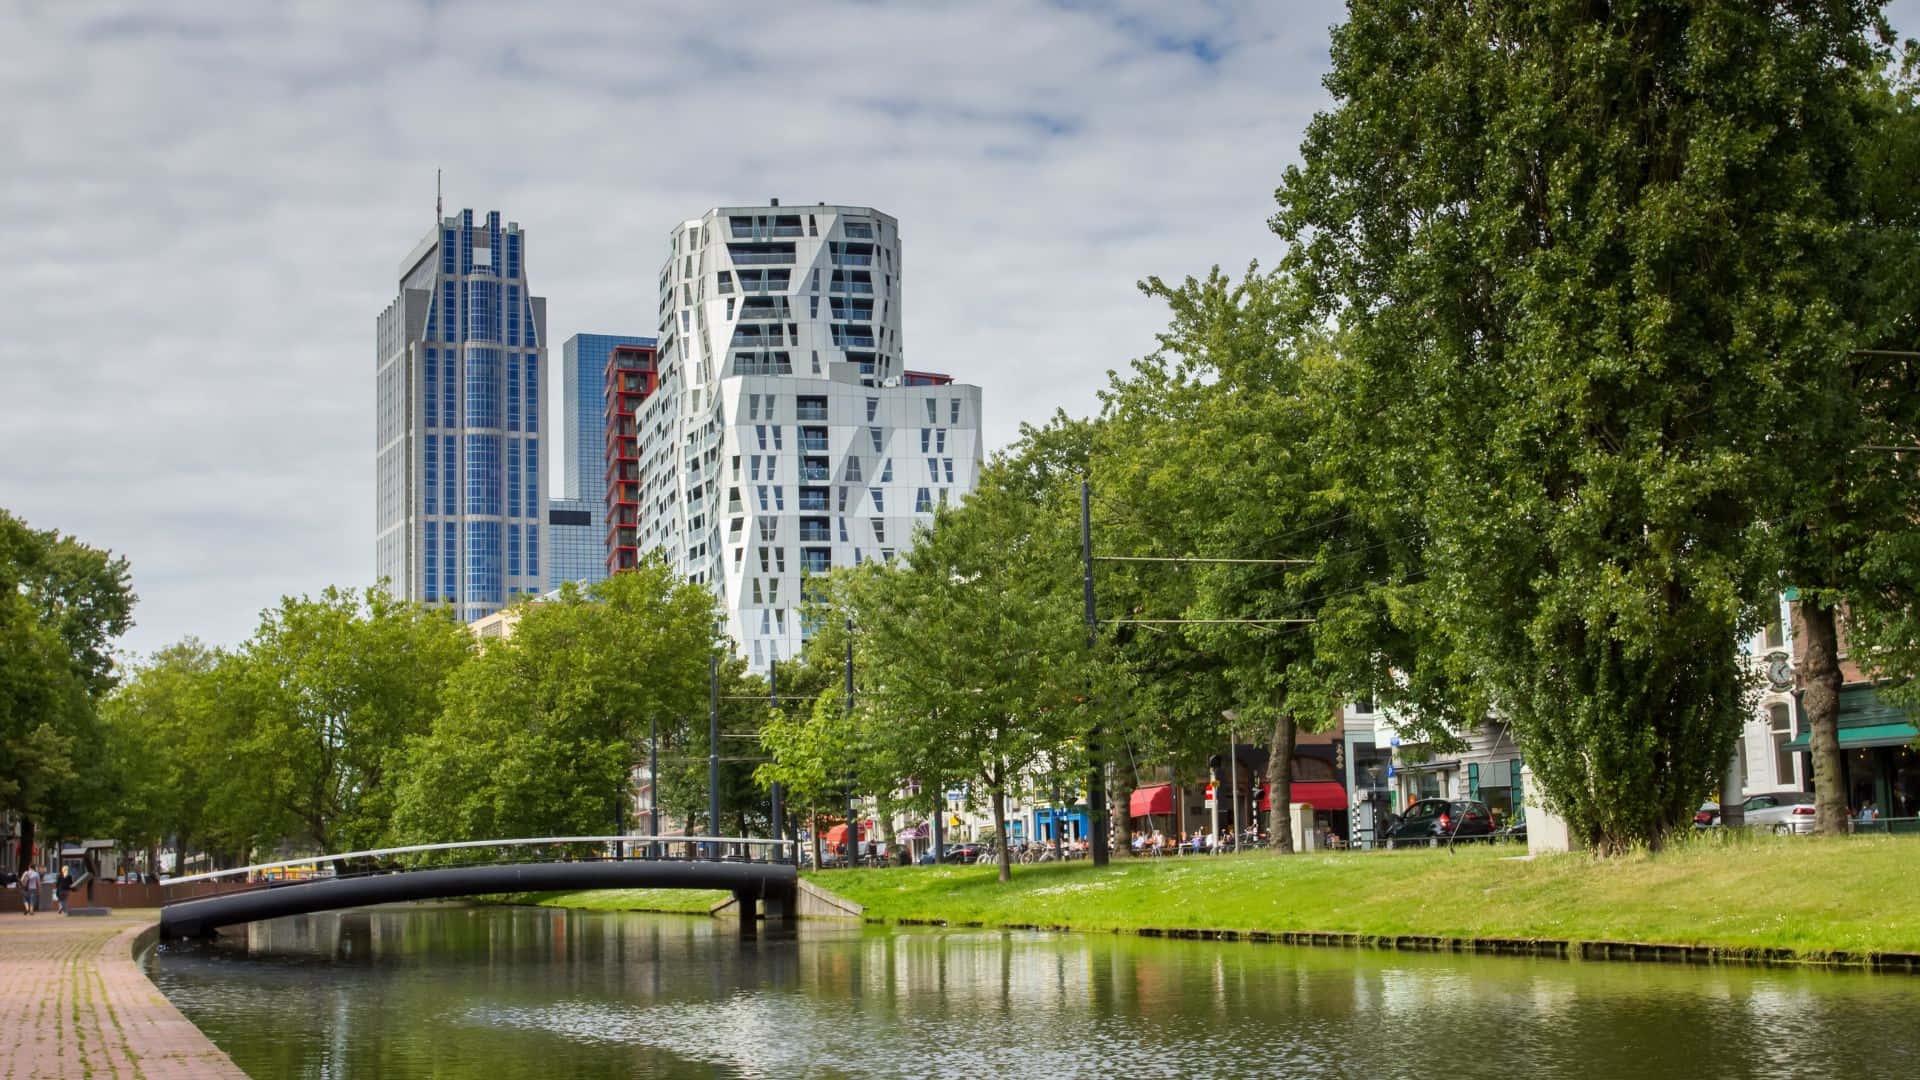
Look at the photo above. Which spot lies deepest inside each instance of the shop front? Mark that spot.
(1879, 767)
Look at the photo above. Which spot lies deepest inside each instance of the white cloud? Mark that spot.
(206, 205)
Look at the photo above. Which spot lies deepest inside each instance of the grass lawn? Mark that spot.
(672, 901)
(1810, 896)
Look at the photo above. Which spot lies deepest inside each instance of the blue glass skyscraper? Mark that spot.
(577, 550)
(459, 359)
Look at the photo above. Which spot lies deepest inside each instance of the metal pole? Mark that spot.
(853, 826)
(1233, 772)
(1096, 778)
(653, 787)
(713, 750)
(773, 789)
(1056, 815)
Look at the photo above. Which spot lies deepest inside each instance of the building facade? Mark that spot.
(583, 443)
(459, 355)
(787, 435)
(576, 550)
(632, 375)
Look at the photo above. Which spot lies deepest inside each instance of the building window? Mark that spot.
(1776, 634)
(886, 471)
(926, 439)
(853, 468)
(955, 419)
(947, 464)
(923, 501)
(1780, 719)
(880, 530)
(879, 498)
(933, 411)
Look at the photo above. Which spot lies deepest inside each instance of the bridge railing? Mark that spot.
(395, 860)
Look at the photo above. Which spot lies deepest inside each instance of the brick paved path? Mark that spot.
(74, 1004)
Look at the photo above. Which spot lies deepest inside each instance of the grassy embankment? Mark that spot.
(670, 901)
(1812, 897)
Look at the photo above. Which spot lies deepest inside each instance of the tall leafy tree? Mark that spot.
(62, 603)
(971, 660)
(1579, 254)
(1216, 446)
(541, 729)
(1847, 477)
(327, 691)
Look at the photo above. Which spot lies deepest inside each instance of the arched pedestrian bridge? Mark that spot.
(757, 872)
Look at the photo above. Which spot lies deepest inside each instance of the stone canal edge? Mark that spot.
(1564, 949)
(74, 1002)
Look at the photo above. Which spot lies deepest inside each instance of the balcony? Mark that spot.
(851, 287)
(852, 341)
(813, 440)
(811, 409)
(847, 258)
(761, 254)
(816, 560)
(814, 499)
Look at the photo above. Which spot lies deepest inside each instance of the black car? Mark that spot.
(1435, 821)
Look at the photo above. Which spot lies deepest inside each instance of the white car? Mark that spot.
(1781, 811)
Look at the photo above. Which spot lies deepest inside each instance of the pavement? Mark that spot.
(73, 1003)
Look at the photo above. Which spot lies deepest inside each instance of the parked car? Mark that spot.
(1780, 811)
(1434, 821)
(964, 853)
(1707, 816)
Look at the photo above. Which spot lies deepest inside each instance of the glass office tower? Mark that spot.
(577, 548)
(460, 506)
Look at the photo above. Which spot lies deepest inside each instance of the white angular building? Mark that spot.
(787, 435)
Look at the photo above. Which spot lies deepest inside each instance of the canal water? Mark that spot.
(498, 993)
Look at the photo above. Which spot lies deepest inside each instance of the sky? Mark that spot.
(207, 205)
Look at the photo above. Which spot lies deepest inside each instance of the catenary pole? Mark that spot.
(713, 750)
(653, 786)
(773, 789)
(853, 826)
(1096, 771)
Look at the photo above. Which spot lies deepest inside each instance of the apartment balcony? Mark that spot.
(843, 258)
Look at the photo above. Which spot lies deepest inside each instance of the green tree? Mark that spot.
(1848, 493)
(1577, 253)
(326, 692)
(62, 603)
(1219, 446)
(542, 728)
(970, 655)
(171, 746)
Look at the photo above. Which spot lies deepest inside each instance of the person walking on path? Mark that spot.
(30, 889)
(62, 885)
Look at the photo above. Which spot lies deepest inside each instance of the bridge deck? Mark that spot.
(748, 881)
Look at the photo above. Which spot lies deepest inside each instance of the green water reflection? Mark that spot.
(511, 992)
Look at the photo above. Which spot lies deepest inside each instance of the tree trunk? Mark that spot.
(25, 855)
(1821, 669)
(1120, 802)
(813, 830)
(1280, 780)
(1000, 830)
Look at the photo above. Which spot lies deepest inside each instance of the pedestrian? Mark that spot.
(62, 885)
(30, 889)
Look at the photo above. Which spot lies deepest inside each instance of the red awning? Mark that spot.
(1319, 794)
(838, 834)
(1151, 800)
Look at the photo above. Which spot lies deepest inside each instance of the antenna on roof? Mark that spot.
(438, 211)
